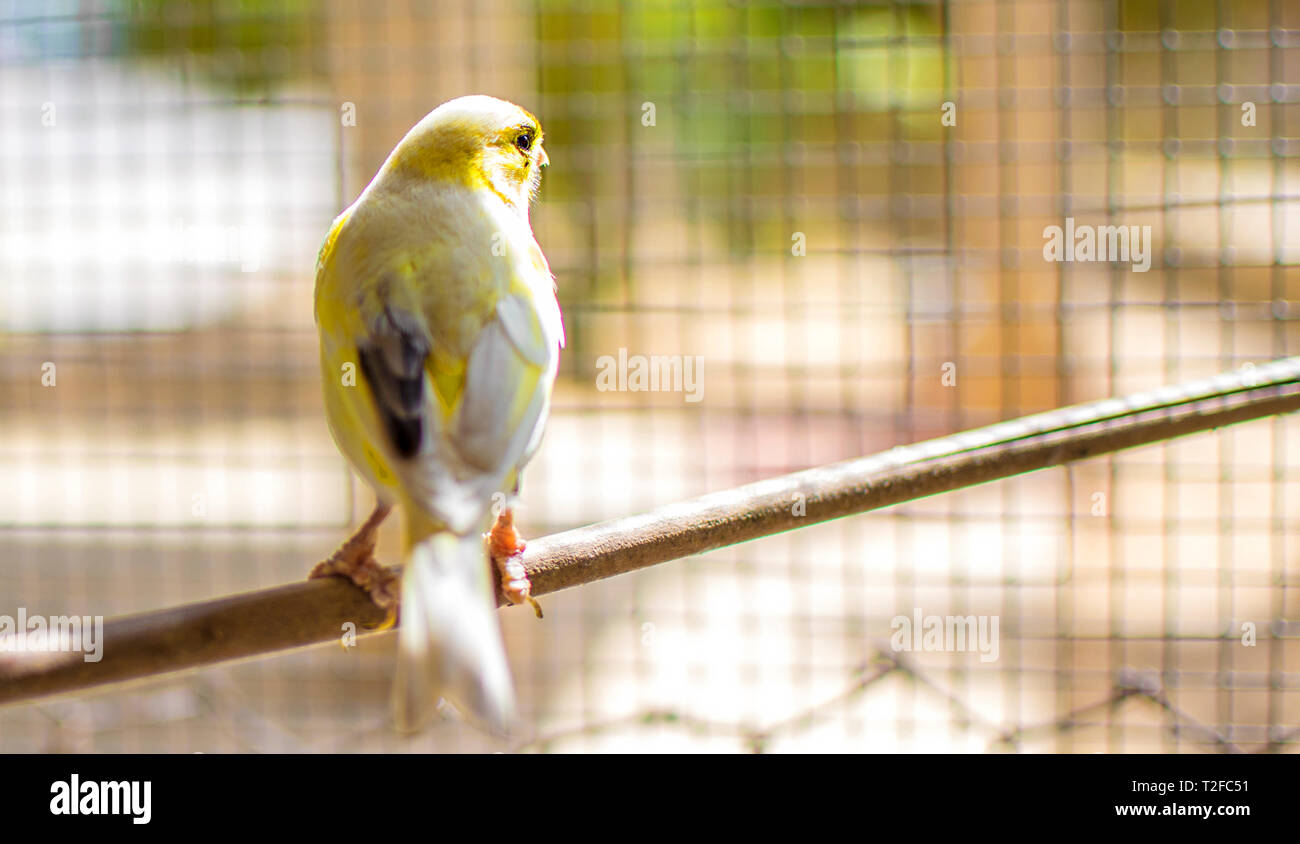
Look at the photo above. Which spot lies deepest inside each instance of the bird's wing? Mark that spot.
(507, 387)
(496, 413)
(458, 431)
(392, 354)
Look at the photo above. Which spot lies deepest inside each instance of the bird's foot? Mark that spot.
(355, 560)
(382, 584)
(506, 551)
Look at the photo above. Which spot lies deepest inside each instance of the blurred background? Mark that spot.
(769, 186)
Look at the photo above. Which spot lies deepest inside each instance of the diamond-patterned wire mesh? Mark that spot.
(772, 192)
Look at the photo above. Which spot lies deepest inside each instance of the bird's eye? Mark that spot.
(524, 141)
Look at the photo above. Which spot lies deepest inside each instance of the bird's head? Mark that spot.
(479, 142)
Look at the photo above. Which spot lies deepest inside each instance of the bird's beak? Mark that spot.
(542, 159)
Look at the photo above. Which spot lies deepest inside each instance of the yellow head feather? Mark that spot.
(478, 142)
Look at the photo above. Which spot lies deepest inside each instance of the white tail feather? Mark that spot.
(450, 640)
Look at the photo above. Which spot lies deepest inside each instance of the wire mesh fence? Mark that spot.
(836, 218)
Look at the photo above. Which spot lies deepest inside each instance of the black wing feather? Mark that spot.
(392, 358)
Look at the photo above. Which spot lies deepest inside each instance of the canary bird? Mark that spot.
(440, 335)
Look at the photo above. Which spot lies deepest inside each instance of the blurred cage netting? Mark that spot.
(772, 192)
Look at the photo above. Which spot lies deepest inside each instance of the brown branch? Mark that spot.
(310, 612)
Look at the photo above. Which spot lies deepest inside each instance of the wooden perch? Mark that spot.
(311, 612)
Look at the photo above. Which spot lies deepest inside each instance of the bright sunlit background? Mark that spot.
(768, 186)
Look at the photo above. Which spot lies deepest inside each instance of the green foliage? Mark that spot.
(249, 46)
(892, 59)
(735, 87)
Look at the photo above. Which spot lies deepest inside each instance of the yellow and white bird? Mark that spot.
(440, 335)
